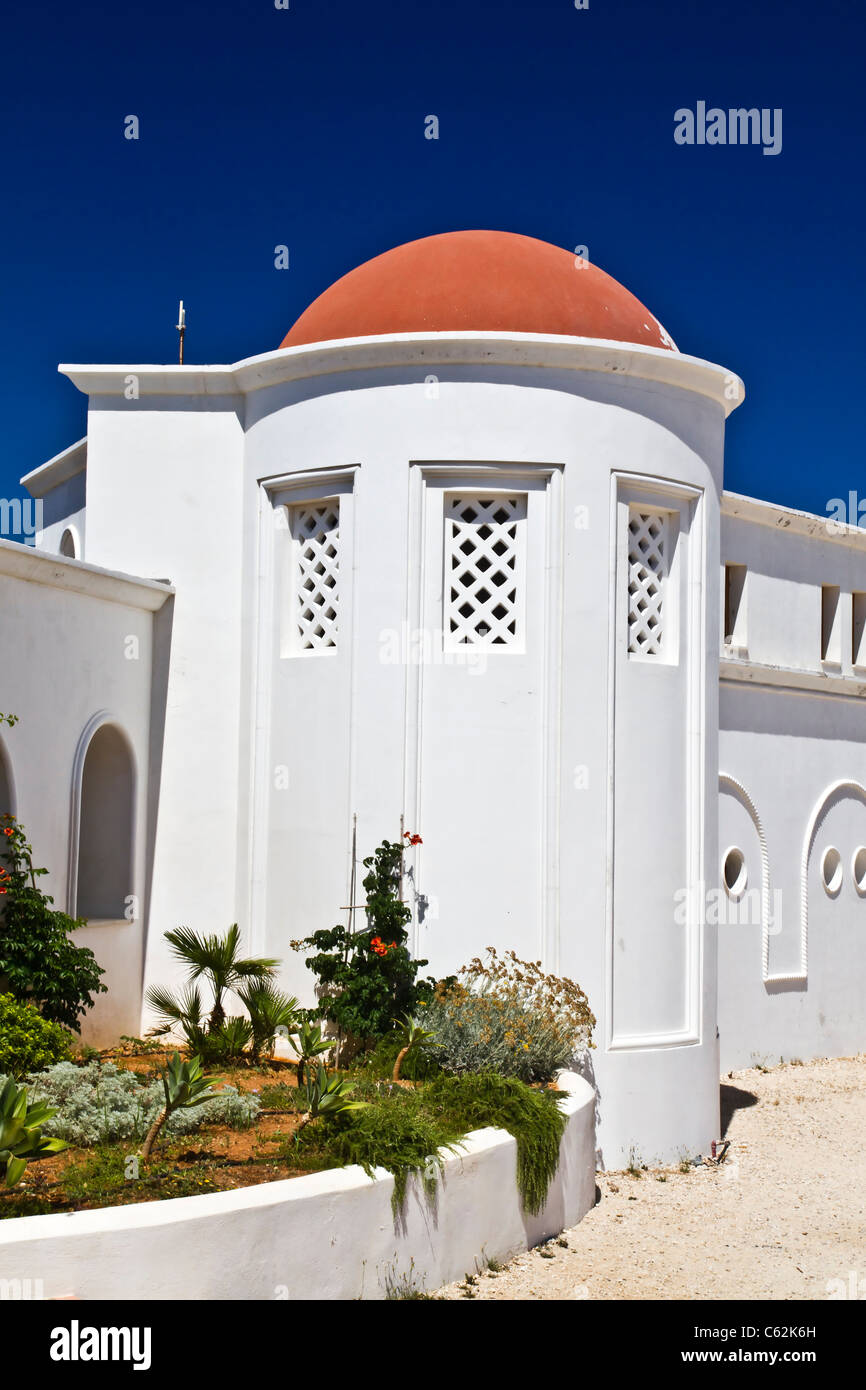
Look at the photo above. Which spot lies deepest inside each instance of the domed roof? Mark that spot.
(487, 281)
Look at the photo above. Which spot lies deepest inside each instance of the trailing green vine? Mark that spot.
(533, 1117)
(405, 1131)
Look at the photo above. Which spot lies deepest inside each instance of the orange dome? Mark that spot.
(495, 282)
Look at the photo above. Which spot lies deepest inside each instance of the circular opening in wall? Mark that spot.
(831, 870)
(858, 869)
(734, 872)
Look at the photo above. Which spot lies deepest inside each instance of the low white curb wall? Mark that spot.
(330, 1235)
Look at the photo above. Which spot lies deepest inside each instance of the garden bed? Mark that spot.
(336, 1234)
(400, 1129)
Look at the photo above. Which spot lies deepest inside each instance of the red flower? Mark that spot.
(8, 830)
(413, 839)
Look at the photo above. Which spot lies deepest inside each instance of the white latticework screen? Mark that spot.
(484, 569)
(648, 561)
(316, 545)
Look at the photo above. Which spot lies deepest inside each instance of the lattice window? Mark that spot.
(483, 569)
(648, 559)
(316, 536)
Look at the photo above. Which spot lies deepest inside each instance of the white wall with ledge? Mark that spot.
(59, 488)
(792, 942)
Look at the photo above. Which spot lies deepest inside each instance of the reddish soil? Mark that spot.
(231, 1158)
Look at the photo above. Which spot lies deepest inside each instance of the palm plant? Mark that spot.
(230, 1040)
(270, 1012)
(184, 1009)
(216, 959)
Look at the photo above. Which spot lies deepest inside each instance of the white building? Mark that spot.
(458, 550)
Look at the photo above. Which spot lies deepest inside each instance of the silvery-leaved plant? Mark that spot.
(101, 1103)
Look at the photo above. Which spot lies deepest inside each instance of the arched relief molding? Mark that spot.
(836, 791)
(729, 784)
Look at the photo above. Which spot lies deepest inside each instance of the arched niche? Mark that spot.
(69, 543)
(102, 858)
(7, 783)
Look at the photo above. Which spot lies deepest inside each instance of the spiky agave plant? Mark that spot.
(327, 1096)
(308, 1043)
(412, 1036)
(21, 1136)
(184, 1086)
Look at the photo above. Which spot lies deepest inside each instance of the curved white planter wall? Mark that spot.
(331, 1235)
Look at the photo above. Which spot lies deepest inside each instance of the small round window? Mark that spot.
(831, 870)
(858, 869)
(734, 872)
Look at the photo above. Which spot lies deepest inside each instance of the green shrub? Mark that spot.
(38, 961)
(509, 1018)
(28, 1042)
(367, 978)
(101, 1103)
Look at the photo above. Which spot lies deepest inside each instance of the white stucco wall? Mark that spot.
(504, 763)
(508, 768)
(58, 488)
(330, 1235)
(164, 500)
(792, 965)
(82, 645)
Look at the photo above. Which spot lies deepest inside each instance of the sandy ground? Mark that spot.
(781, 1218)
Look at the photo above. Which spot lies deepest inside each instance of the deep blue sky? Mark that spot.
(262, 126)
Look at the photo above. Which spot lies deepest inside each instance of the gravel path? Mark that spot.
(780, 1218)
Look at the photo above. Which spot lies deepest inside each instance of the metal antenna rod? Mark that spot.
(181, 328)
